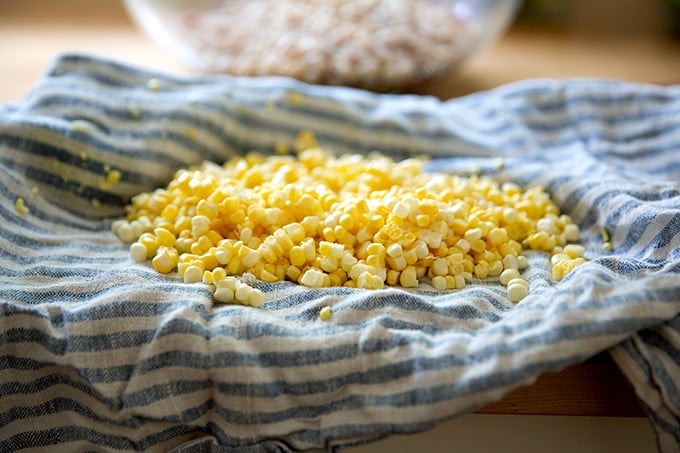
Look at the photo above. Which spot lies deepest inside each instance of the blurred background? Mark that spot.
(633, 40)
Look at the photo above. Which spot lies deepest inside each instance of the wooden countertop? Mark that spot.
(632, 43)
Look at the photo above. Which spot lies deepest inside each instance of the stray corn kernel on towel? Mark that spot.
(98, 352)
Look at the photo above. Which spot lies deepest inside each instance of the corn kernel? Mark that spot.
(519, 281)
(507, 275)
(325, 313)
(224, 295)
(440, 267)
(517, 291)
(368, 280)
(439, 282)
(223, 254)
(219, 274)
(574, 250)
(138, 252)
(166, 259)
(20, 206)
(312, 278)
(495, 268)
(572, 232)
(522, 262)
(408, 277)
(193, 274)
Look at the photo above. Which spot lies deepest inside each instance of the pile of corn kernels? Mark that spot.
(353, 220)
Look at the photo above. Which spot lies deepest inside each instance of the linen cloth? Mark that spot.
(100, 353)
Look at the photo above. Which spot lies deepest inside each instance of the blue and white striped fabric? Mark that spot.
(100, 353)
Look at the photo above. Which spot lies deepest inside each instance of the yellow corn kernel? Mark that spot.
(219, 274)
(206, 208)
(208, 277)
(151, 243)
(248, 256)
(283, 239)
(347, 261)
(422, 220)
(313, 278)
(297, 256)
(482, 270)
(331, 249)
(337, 277)
(478, 245)
(473, 234)
(394, 250)
(268, 276)
(376, 248)
(574, 250)
(166, 259)
(562, 268)
(20, 206)
(392, 277)
(440, 267)
(223, 254)
(200, 225)
(325, 313)
(399, 263)
(295, 231)
(408, 277)
(495, 268)
(267, 253)
(293, 273)
(201, 245)
(165, 237)
(439, 282)
(498, 236)
(368, 280)
(375, 260)
(242, 292)
(309, 249)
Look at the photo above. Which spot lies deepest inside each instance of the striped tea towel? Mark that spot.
(100, 353)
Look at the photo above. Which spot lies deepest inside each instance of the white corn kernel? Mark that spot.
(517, 292)
(193, 274)
(224, 295)
(138, 252)
(507, 275)
(572, 232)
(519, 281)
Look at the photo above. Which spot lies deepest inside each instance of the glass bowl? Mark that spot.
(382, 45)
